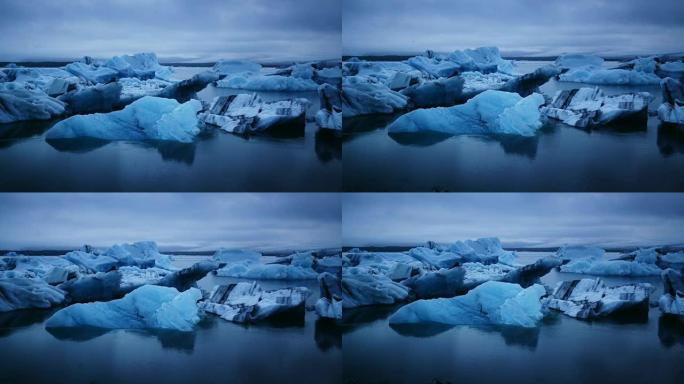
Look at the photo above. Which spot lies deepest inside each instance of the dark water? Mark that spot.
(559, 158)
(216, 352)
(561, 350)
(216, 161)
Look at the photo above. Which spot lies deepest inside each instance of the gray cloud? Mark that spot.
(174, 221)
(531, 27)
(535, 219)
(197, 30)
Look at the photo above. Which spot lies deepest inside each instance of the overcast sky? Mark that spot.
(192, 30)
(533, 219)
(182, 221)
(520, 27)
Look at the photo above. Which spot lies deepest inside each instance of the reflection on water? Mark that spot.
(670, 140)
(328, 145)
(671, 331)
(328, 334)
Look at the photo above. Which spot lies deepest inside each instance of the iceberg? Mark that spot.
(149, 118)
(485, 250)
(673, 260)
(441, 283)
(590, 299)
(148, 307)
(247, 302)
(594, 266)
(97, 98)
(587, 107)
(435, 93)
(578, 60)
(330, 114)
(91, 73)
(140, 65)
(101, 286)
(20, 104)
(673, 69)
(91, 262)
(22, 293)
(48, 268)
(142, 254)
(672, 300)
(362, 98)
(571, 252)
(186, 89)
(258, 82)
(434, 258)
(252, 270)
(593, 75)
(227, 67)
(181, 279)
(330, 303)
(672, 109)
(434, 68)
(490, 112)
(248, 113)
(362, 288)
(492, 303)
(223, 255)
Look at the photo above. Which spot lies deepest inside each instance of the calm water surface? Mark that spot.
(559, 158)
(216, 352)
(561, 350)
(216, 161)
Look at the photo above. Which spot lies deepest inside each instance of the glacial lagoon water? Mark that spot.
(216, 352)
(559, 158)
(562, 350)
(216, 161)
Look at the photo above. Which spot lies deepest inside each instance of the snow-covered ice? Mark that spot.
(247, 302)
(490, 112)
(149, 118)
(587, 107)
(149, 306)
(589, 299)
(492, 303)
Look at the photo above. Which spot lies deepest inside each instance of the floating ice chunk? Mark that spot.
(434, 93)
(586, 107)
(91, 262)
(594, 75)
(248, 113)
(362, 98)
(672, 109)
(476, 81)
(231, 255)
(362, 288)
(484, 57)
(18, 266)
(673, 260)
(330, 303)
(477, 273)
(490, 112)
(674, 69)
(136, 276)
(100, 286)
(92, 73)
(186, 89)
(19, 104)
(330, 114)
(246, 302)
(252, 270)
(570, 252)
(143, 254)
(434, 68)
(21, 293)
(593, 266)
(134, 88)
(672, 300)
(227, 67)
(149, 118)
(97, 98)
(578, 60)
(441, 283)
(589, 299)
(257, 82)
(435, 258)
(490, 303)
(140, 65)
(149, 306)
(181, 279)
(646, 256)
(383, 262)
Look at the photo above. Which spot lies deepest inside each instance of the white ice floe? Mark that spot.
(149, 306)
(149, 118)
(593, 75)
(247, 302)
(490, 303)
(588, 298)
(22, 293)
(587, 107)
(597, 266)
(258, 271)
(490, 112)
(248, 113)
